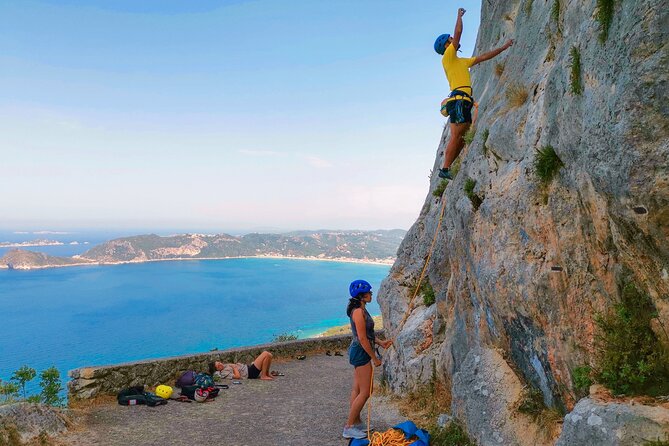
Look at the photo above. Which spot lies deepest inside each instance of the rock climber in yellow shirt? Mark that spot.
(459, 103)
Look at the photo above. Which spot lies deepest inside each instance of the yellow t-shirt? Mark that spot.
(457, 71)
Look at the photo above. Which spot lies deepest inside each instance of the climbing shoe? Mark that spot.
(353, 432)
(445, 174)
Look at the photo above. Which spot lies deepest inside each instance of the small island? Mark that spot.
(31, 243)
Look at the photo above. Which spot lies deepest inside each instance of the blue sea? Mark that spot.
(95, 315)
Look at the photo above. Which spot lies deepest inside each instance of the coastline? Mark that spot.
(387, 262)
(346, 328)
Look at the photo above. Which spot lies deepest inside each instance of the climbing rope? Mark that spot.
(394, 437)
(410, 307)
(391, 437)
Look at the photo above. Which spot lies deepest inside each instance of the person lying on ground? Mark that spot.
(460, 101)
(259, 368)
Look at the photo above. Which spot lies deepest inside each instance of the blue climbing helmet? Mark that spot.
(358, 287)
(440, 43)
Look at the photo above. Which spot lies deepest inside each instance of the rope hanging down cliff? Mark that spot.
(410, 306)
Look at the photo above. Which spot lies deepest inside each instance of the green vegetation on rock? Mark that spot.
(427, 401)
(555, 12)
(9, 391)
(50, 384)
(604, 17)
(532, 404)
(486, 133)
(528, 6)
(451, 435)
(575, 72)
(428, 293)
(439, 190)
(657, 442)
(51, 387)
(630, 358)
(469, 135)
(22, 376)
(547, 164)
(581, 379)
(470, 184)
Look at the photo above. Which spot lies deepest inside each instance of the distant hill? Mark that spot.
(363, 245)
(370, 246)
(20, 259)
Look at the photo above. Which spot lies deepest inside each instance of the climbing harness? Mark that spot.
(457, 93)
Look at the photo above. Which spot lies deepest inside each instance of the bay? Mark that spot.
(96, 315)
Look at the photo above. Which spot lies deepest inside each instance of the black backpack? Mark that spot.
(189, 391)
(134, 396)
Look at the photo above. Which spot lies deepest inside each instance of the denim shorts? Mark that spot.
(357, 356)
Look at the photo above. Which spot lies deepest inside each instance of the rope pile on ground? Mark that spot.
(391, 437)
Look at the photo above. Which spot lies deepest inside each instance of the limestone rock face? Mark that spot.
(30, 420)
(525, 273)
(592, 422)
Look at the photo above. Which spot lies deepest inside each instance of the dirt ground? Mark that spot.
(308, 406)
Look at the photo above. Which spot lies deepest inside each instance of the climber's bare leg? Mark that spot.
(456, 143)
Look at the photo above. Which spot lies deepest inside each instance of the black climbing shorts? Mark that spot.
(460, 111)
(254, 373)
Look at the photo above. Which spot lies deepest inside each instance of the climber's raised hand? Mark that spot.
(461, 12)
(508, 44)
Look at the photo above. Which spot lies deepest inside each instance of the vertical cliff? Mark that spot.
(520, 278)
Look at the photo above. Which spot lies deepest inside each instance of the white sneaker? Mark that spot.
(353, 432)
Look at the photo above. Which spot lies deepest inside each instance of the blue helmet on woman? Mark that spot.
(440, 43)
(359, 287)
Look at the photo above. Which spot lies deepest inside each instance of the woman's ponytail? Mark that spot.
(353, 303)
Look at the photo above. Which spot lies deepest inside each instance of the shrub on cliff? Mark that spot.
(469, 135)
(428, 293)
(575, 83)
(604, 17)
(516, 94)
(22, 376)
(476, 201)
(9, 391)
(439, 190)
(451, 435)
(51, 387)
(631, 359)
(547, 164)
(581, 380)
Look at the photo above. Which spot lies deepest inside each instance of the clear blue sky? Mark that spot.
(220, 114)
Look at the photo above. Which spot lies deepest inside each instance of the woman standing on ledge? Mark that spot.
(360, 353)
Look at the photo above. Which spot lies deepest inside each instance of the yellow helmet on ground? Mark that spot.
(164, 391)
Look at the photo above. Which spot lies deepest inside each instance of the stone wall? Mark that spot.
(88, 382)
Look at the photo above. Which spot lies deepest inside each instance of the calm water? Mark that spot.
(94, 315)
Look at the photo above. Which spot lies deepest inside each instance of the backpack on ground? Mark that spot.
(135, 396)
(187, 378)
(189, 391)
(203, 380)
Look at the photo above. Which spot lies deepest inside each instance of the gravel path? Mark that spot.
(307, 406)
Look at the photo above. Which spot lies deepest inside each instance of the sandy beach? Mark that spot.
(86, 262)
